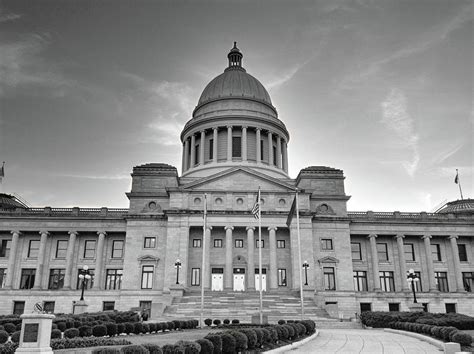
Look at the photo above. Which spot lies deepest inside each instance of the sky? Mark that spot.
(380, 89)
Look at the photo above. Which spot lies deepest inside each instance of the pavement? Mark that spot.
(364, 341)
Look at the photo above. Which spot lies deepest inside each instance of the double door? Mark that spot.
(239, 279)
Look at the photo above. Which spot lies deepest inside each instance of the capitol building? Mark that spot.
(150, 255)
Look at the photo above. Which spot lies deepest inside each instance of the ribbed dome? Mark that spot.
(462, 206)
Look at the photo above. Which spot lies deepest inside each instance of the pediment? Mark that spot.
(328, 259)
(239, 179)
(148, 258)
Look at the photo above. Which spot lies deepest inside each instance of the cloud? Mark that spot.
(396, 118)
(447, 152)
(101, 177)
(10, 16)
(285, 77)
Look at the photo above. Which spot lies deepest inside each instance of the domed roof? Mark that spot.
(8, 201)
(462, 206)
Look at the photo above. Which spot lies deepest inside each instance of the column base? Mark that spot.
(79, 307)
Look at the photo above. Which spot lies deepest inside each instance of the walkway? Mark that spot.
(364, 341)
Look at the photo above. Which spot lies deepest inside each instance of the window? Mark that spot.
(462, 252)
(274, 156)
(33, 249)
(218, 243)
(409, 252)
(393, 306)
(61, 248)
(382, 252)
(239, 243)
(149, 242)
(197, 243)
(450, 308)
(146, 308)
(195, 276)
(356, 251)
(360, 280)
(261, 150)
(196, 154)
(281, 277)
(468, 281)
(5, 248)
(257, 243)
(442, 281)
(147, 277)
(108, 306)
(236, 146)
(211, 149)
(117, 249)
(18, 307)
(89, 249)
(89, 283)
(27, 280)
(329, 279)
(365, 307)
(56, 279)
(113, 280)
(48, 306)
(425, 306)
(280, 243)
(436, 252)
(418, 287)
(3, 277)
(326, 244)
(386, 281)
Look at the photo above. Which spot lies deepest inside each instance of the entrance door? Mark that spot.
(217, 279)
(146, 309)
(239, 279)
(264, 279)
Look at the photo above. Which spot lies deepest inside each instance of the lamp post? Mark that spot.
(306, 266)
(84, 275)
(177, 264)
(412, 278)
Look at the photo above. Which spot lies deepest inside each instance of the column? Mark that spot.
(244, 143)
(69, 259)
(214, 151)
(183, 166)
(40, 264)
(285, 156)
(12, 259)
(278, 151)
(259, 152)
(229, 143)
(429, 263)
(193, 151)
(401, 257)
(457, 263)
(99, 265)
(228, 258)
(206, 273)
(186, 154)
(273, 258)
(251, 258)
(201, 150)
(270, 149)
(375, 262)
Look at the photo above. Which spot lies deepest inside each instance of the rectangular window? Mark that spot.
(48, 306)
(5, 248)
(442, 281)
(108, 306)
(218, 243)
(18, 307)
(462, 252)
(450, 308)
(236, 146)
(211, 149)
(468, 281)
(117, 249)
(89, 249)
(326, 244)
(281, 277)
(409, 252)
(280, 243)
(436, 252)
(89, 283)
(113, 280)
(3, 277)
(356, 251)
(274, 156)
(33, 249)
(329, 278)
(365, 307)
(149, 242)
(261, 149)
(61, 248)
(195, 276)
(147, 277)
(239, 243)
(27, 280)
(393, 307)
(257, 243)
(197, 243)
(360, 280)
(387, 282)
(382, 252)
(196, 154)
(56, 279)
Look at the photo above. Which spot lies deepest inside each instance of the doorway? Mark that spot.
(264, 279)
(239, 279)
(217, 279)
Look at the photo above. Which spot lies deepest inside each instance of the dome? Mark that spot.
(8, 201)
(462, 206)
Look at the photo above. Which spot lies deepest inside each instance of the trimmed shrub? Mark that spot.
(281, 322)
(226, 321)
(170, 325)
(240, 341)
(267, 337)
(164, 326)
(55, 334)
(235, 321)
(146, 328)
(251, 337)
(217, 322)
(259, 333)
(228, 343)
(291, 331)
(15, 337)
(85, 331)
(216, 341)
(153, 348)
(310, 326)
(273, 334)
(301, 329)
(9, 327)
(129, 327)
(111, 328)
(120, 328)
(3, 336)
(206, 346)
(152, 327)
(134, 349)
(99, 331)
(208, 321)
(106, 351)
(137, 328)
(462, 338)
(189, 347)
(61, 325)
(168, 349)
(71, 333)
(8, 348)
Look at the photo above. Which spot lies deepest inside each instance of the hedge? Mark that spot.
(206, 346)
(68, 343)
(153, 348)
(8, 348)
(216, 341)
(4, 337)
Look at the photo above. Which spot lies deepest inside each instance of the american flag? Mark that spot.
(256, 207)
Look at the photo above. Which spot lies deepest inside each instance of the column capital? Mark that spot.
(372, 236)
(424, 237)
(209, 228)
(203, 131)
(399, 236)
(215, 128)
(229, 126)
(272, 228)
(250, 228)
(73, 232)
(229, 228)
(15, 232)
(244, 127)
(101, 233)
(451, 237)
(258, 129)
(44, 232)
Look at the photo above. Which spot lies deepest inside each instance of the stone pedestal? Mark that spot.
(79, 307)
(256, 318)
(35, 333)
(177, 291)
(416, 307)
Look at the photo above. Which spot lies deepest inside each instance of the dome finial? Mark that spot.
(235, 58)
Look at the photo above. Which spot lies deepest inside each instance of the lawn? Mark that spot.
(169, 337)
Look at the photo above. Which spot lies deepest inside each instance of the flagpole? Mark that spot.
(260, 256)
(299, 254)
(458, 182)
(203, 265)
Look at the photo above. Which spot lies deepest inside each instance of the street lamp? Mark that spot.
(412, 278)
(177, 264)
(84, 275)
(306, 266)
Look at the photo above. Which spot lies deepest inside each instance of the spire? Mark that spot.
(235, 59)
